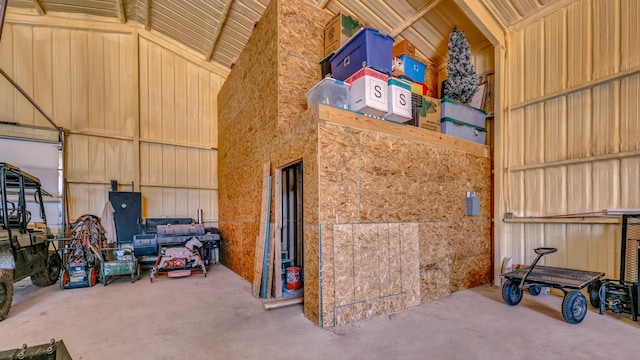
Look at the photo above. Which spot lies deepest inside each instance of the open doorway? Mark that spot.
(291, 231)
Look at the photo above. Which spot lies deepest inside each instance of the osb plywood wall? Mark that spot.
(263, 117)
(135, 108)
(570, 140)
(393, 221)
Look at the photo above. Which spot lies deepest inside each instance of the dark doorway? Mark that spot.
(291, 233)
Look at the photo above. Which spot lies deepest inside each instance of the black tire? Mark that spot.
(574, 307)
(511, 292)
(594, 293)
(535, 290)
(50, 274)
(6, 292)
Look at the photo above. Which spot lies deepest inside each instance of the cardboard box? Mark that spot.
(430, 126)
(429, 112)
(404, 47)
(369, 92)
(399, 101)
(338, 31)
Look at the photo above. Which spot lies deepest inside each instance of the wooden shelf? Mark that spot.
(366, 123)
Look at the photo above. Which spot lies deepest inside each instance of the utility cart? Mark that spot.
(533, 278)
(119, 261)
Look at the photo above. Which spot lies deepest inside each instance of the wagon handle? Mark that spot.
(541, 251)
(545, 250)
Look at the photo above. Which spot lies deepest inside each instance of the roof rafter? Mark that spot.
(38, 6)
(323, 3)
(147, 16)
(419, 14)
(121, 15)
(221, 25)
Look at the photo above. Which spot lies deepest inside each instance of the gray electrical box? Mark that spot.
(473, 204)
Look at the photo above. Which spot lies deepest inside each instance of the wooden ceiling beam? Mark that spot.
(323, 3)
(419, 14)
(121, 14)
(218, 33)
(39, 8)
(490, 27)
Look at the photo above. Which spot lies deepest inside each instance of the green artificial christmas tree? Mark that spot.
(462, 80)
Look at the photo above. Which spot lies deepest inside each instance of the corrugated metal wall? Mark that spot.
(571, 130)
(135, 110)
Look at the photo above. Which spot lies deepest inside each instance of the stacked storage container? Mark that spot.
(463, 121)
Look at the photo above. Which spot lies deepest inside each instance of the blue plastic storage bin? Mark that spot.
(367, 48)
(413, 68)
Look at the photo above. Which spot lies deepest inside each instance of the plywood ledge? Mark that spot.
(358, 121)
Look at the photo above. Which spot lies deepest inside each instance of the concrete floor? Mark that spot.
(216, 318)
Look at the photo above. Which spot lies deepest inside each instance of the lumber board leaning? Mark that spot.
(282, 303)
(267, 242)
(272, 254)
(277, 265)
(264, 219)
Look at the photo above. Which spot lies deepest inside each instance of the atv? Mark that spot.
(24, 245)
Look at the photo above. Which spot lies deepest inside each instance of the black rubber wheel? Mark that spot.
(6, 292)
(594, 293)
(535, 290)
(511, 292)
(50, 274)
(574, 307)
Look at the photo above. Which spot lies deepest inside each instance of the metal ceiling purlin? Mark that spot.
(120, 10)
(420, 13)
(147, 16)
(221, 24)
(38, 6)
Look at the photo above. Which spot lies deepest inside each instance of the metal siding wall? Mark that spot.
(571, 142)
(555, 52)
(555, 130)
(630, 34)
(114, 92)
(178, 115)
(630, 113)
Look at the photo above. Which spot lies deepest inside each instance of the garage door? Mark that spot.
(43, 159)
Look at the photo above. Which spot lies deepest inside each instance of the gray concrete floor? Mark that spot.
(216, 318)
